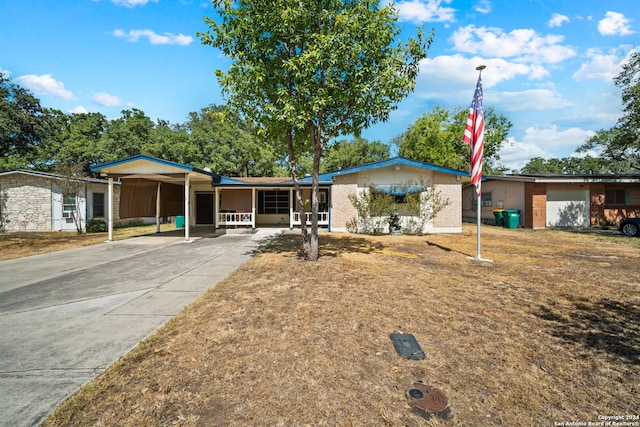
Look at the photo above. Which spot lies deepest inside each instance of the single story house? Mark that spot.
(557, 200)
(155, 187)
(42, 201)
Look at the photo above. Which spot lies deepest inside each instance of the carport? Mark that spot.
(153, 187)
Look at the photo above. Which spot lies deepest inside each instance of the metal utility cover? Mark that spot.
(407, 346)
(428, 401)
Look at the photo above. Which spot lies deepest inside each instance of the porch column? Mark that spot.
(158, 208)
(291, 205)
(110, 197)
(329, 210)
(187, 220)
(216, 208)
(253, 208)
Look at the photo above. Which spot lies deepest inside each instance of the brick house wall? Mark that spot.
(341, 208)
(449, 219)
(450, 189)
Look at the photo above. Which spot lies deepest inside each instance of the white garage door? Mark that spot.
(567, 207)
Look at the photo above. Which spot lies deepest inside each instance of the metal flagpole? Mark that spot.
(479, 68)
(479, 220)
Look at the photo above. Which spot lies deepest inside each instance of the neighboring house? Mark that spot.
(557, 200)
(41, 201)
(253, 202)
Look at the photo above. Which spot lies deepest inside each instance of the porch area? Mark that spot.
(253, 207)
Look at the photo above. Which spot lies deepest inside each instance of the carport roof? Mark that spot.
(152, 168)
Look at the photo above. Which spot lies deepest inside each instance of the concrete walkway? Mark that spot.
(66, 316)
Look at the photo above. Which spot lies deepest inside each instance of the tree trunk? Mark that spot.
(315, 201)
(305, 248)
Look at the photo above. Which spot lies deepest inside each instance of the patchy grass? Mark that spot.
(547, 332)
(22, 244)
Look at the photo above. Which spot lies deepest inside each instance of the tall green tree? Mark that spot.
(345, 154)
(621, 143)
(24, 124)
(308, 71)
(126, 136)
(436, 138)
(228, 144)
(75, 139)
(573, 166)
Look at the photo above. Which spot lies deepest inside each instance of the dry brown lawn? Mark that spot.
(549, 332)
(22, 244)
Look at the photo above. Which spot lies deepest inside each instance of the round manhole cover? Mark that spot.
(427, 398)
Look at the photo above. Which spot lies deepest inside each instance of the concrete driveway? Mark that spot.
(66, 316)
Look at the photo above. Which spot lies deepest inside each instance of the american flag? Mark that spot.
(474, 135)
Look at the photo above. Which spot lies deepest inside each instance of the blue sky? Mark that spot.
(550, 64)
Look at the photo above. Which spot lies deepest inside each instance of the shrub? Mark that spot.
(97, 225)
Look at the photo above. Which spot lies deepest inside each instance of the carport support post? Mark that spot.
(158, 208)
(291, 207)
(110, 209)
(253, 208)
(187, 220)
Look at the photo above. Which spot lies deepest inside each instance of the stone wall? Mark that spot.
(25, 203)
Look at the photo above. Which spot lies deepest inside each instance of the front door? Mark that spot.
(204, 208)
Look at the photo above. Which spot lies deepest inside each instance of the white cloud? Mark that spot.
(544, 142)
(107, 100)
(557, 19)
(45, 85)
(599, 66)
(615, 23)
(523, 45)
(78, 110)
(132, 3)
(483, 6)
(420, 11)
(154, 38)
(530, 100)
(516, 154)
(445, 73)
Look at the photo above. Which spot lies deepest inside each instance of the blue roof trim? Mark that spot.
(150, 159)
(393, 161)
(219, 180)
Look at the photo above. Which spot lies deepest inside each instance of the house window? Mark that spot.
(273, 202)
(487, 199)
(98, 205)
(68, 205)
(616, 196)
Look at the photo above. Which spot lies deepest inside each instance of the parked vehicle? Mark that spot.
(630, 226)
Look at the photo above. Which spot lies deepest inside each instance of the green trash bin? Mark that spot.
(511, 218)
(180, 221)
(499, 215)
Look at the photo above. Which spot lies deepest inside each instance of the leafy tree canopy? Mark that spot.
(23, 125)
(621, 143)
(436, 138)
(345, 154)
(571, 166)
